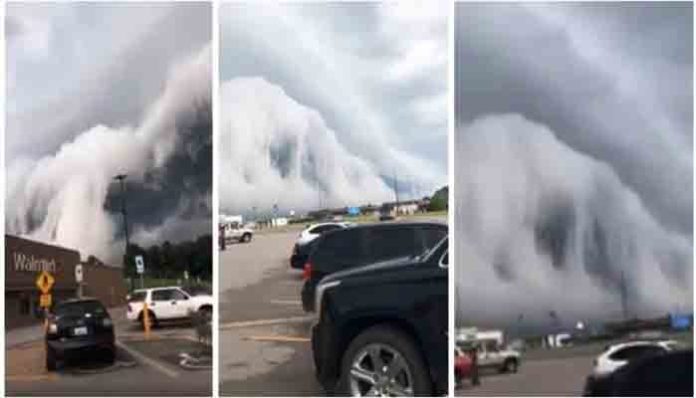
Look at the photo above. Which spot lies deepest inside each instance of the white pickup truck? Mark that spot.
(167, 303)
(238, 232)
(492, 355)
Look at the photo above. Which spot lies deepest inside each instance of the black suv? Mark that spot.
(366, 244)
(382, 328)
(77, 326)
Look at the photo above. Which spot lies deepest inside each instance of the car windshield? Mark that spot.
(79, 308)
(137, 296)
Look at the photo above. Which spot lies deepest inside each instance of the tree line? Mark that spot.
(170, 260)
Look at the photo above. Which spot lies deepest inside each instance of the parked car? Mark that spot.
(666, 373)
(77, 326)
(316, 230)
(462, 366)
(493, 355)
(307, 239)
(167, 303)
(381, 329)
(616, 356)
(238, 232)
(366, 244)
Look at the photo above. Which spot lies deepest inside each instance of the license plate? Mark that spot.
(81, 331)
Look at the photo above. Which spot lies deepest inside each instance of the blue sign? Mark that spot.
(354, 211)
(680, 321)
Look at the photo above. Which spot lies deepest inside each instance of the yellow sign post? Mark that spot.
(45, 300)
(146, 321)
(45, 282)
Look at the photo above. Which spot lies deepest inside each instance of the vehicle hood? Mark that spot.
(389, 266)
(202, 299)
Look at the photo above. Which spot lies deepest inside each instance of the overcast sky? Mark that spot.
(97, 89)
(345, 87)
(576, 120)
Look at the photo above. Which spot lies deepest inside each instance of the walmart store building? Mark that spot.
(26, 259)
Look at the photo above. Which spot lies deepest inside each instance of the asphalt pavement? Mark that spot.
(143, 367)
(535, 377)
(264, 333)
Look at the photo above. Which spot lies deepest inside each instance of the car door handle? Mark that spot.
(174, 302)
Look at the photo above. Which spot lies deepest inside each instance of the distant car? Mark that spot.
(167, 303)
(386, 217)
(618, 355)
(366, 244)
(239, 233)
(669, 373)
(316, 230)
(77, 326)
(492, 355)
(381, 329)
(462, 365)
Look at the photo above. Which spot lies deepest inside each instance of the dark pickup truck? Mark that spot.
(366, 244)
(381, 329)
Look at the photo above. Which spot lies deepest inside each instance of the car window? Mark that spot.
(137, 296)
(341, 248)
(389, 243)
(432, 236)
(631, 353)
(79, 308)
(162, 295)
(178, 295)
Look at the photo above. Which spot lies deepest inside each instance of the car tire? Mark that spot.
(206, 312)
(391, 339)
(51, 360)
(246, 238)
(510, 366)
(111, 356)
(152, 318)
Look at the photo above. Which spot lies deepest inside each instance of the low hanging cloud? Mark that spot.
(274, 150)
(547, 234)
(62, 197)
(360, 90)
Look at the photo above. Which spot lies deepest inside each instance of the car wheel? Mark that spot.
(510, 366)
(111, 355)
(51, 360)
(206, 313)
(383, 361)
(246, 238)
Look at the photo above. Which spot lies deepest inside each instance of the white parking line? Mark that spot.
(286, 302)
(149, 361)
(264, 322)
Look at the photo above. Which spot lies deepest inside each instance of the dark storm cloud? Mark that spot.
(573, 162)
(527, 60)
(100, 89)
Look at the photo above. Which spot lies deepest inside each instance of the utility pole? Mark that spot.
(121, 179)
(396, 191)
(624, 298)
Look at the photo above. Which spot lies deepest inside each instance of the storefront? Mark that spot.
(26, 259)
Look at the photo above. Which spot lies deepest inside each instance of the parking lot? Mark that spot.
(264, 333)
(535, 377)
(143, 366)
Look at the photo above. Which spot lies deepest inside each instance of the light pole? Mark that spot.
(121, 179)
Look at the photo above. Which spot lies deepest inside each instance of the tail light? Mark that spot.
(307, 271)
(52, 328)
